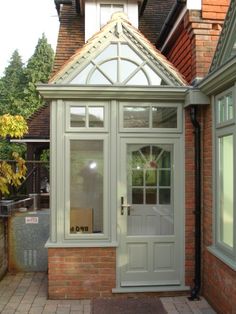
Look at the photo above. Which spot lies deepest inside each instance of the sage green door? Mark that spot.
(149, 216)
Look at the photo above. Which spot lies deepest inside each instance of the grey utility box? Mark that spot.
(27, 234)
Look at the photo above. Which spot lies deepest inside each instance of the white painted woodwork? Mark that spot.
(92, 14)
(194, 4)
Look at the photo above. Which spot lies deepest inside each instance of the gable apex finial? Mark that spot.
(119, 15)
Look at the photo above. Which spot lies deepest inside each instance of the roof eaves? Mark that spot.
(170, 21)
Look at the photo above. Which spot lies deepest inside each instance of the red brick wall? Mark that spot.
(219, 285)
(181, 55)
(219, 280)
(189, 200)
(193, 45)
(214, 9)
(81, 273)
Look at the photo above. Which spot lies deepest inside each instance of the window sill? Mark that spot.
(221, 256)
(78, 244)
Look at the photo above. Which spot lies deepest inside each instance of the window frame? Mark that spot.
(226, 128)
(111, 3)
(86, 104)
(96, 237)
(223, 95)
(150, 129)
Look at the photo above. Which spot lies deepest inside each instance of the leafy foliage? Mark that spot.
(18, 94)
(38, 70)
(12, 86)
(19, 98)
(12, 126)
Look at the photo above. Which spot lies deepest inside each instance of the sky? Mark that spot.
(22, 23)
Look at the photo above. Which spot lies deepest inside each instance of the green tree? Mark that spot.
(38, 70)
(12, 86)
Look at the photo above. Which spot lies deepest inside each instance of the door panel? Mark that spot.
(149, 238)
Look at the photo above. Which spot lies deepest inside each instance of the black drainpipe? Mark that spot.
(197, 143)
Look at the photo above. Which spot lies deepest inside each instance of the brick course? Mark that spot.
(81, 273)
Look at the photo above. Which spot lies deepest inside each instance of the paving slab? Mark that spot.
(26, 293)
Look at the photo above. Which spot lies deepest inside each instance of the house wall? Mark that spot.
(81, 273)
(3, 248)
(192, 47)
(189, 200)
(39, 123)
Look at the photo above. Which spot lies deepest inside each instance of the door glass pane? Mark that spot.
(136, 117)
(151, 196)
(151, 177)
(86, 186)
(164, 117)
(149, 189)
(164, 160)
(96, 117)
(78, 117)
(226, 189)
(164, 177)
(137, 196)
(137, 177)
(164, 196)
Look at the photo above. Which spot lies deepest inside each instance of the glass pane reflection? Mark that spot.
(136, 117)
(164, 117)
(78, 117)
(86, 186)
(96, 117)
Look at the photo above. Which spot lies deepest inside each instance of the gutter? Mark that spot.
(143, 7)
(170, 21)
(197, 142)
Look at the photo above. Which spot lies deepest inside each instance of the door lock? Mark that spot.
(123, 206)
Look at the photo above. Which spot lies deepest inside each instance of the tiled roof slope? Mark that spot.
(39, 123)
(70, 37)
(154, 16)
(143, 42)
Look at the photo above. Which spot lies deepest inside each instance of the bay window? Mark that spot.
(225, 137)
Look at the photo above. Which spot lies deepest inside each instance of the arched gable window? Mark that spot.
(118, 64)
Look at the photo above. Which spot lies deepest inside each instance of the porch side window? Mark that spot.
(224, 172)
(86, 186)
(226, 190)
